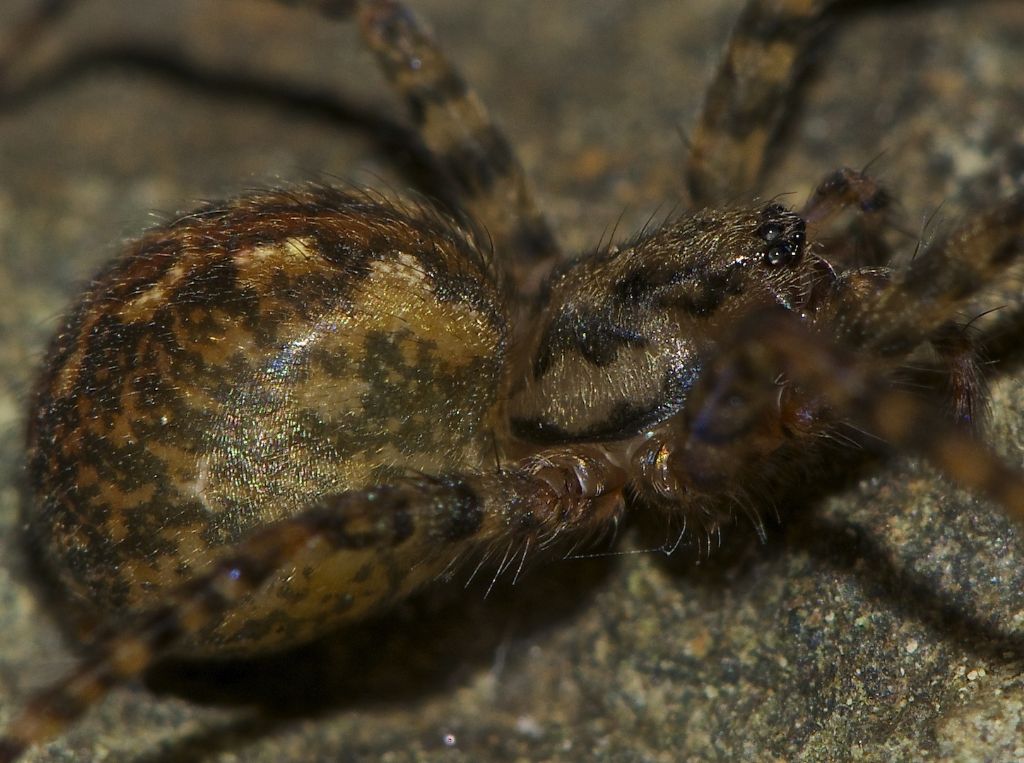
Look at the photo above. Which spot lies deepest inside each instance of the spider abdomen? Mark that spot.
(233, 367)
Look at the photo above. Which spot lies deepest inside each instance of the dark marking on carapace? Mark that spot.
(594, 335)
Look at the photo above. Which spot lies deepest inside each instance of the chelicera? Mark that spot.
(281, 413)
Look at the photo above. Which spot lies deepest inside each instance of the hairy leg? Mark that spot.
(739, 406)
(966, 388)
(918, 301)
(847, 215)
(418, 528)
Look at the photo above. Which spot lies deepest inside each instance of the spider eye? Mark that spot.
(782, 253)
(783, 232)
(770, 231)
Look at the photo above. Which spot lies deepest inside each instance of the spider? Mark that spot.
(679, 370)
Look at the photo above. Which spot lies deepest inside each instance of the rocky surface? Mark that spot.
(883, 619)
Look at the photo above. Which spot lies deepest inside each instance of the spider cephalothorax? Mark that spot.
(623, 334)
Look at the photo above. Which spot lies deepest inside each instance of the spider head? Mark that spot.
(716, 263)
(625, 333)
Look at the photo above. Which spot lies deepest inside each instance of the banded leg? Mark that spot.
(861, 246)
(737, 399)
(748, 97)
(27, 33)
(416, 530)
(455, 126)
(847, 242)
(918, 301)
(468, 146)
(842, 189)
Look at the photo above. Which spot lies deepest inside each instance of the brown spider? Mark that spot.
(244, 365)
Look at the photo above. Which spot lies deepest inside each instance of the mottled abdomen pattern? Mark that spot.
(236, 365)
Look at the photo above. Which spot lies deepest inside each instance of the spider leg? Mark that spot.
(473, 152)
(781, 385)
(748, 97)
(917, 302)
(830, 385)
(846, 215)
(965, 386)
(27, 34)
(411, 530)
(845, 188)
(862, 247)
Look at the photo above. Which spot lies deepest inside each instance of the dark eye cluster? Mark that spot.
(784, 233)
